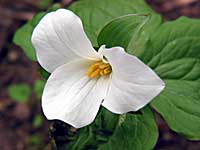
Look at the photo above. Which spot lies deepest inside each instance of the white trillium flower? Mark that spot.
(82, 79)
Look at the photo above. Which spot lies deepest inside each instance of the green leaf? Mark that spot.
(129, 24)
(172, 49)
(168, 32)
(38, 88)
(96, 14)
(19, 92)
(138, 131)
(176, 58)
(179, 105)
(110, 131)
(129, 31)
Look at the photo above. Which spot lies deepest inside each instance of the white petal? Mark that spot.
(59, 38)
(133, 83)
(70, 96)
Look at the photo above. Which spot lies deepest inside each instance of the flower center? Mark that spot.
(99, 69)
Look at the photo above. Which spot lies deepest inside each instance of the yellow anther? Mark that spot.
(95, 73)
(101, 73)
(91, 69)
(107, 70)
(98, 63)
(102, 66)
(99, 69)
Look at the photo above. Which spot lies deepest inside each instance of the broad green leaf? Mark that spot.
(179, 105)
(19, 92)
(129, 31)
(129, 24)
(168, 32)
(172, 49)
(97, 13)
(110, 131)
(176, 58)
(135, 131)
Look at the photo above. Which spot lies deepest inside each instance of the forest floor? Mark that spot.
(16, 119)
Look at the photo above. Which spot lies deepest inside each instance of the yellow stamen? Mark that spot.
(95, 73)
(98, 63)
(91, 69)
(107, 70)
(101, 73)
(102, 66)
(99, 69)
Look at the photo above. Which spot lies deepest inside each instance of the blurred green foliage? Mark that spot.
(43, 4)
(19, 92)
(34, 140)
(38, 88)
(37, 122)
